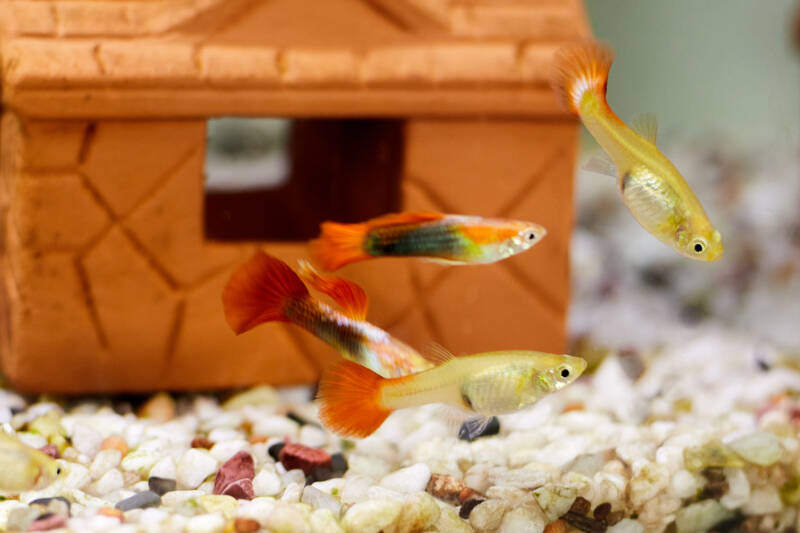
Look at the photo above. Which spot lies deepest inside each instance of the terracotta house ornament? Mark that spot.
(114, 252)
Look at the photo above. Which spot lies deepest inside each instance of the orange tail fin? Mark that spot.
(258, 290)
(341, 244)
(579, 68)
(350, 400)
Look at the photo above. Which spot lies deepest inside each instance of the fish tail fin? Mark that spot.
(581, 67)
(258, 291)
(350, 397)
(339, 245)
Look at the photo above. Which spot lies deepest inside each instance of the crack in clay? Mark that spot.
(415, 20)
(552, 304)
(88, 301)
(294, 338)
(531, 184)
(174, 333)
(441, 204)
(86, 143)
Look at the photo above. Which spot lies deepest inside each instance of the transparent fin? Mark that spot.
(476, 427)
(446, 262)
(437, 354)
(347, 294)
(453, 416)
(601, 163)
(646, 125)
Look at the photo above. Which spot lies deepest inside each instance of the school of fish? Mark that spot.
(380, 374)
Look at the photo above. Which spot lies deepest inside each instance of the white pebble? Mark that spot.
(104, 461)
(313, 436)
(763, 500)
(295, 475)
(34, 440)
(321, 500)
(86, 440)
(109, 482)
(194, 466)
(738, 488)
(525, 519)
(329, 485)
(488, 515)
(222, 451)
(176, 498)
(153, 516)
(685, 484)
(372, 516)
(224, 434)
(206, 523)
(278, 426)
(286, 518)
(292, 492)
(323, 521)
(410, 479)
(257, 509)
(142, 459)
(267, 482)
(77, 475)
(165, 468)
(760, 448)
(355, 488)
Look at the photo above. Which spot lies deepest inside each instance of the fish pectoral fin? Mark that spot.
(474, 427)
(601, 163)
(347, 294)
(437, 354)
(646, 125)
(440, 261)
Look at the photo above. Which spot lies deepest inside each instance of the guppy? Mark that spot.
(265, 289)
(355, 401)
(652, 188)
(452, 239)
(24, 468)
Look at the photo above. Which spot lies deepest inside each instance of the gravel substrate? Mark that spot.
(700, 433)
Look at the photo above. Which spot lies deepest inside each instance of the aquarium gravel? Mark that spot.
(699, 433)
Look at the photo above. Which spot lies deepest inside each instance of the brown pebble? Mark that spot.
(160, 407)
(235, 477)
(602, 510)
(294, 455)
(51, 450)
(256, 439)
(450, 490)
(614, 517)
(115, 442)
(584, 523)
(110, 511)
(202, 442)
(559, 526)
(715, 490)
(581, 505)
(246, 525)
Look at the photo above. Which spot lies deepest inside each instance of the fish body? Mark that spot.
(652, 188)
(355, 401)
(24, 468)
(454, 239)
(265, 289)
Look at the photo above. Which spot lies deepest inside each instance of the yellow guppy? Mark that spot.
(652, 188)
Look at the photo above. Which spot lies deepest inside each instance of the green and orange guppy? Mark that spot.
(652, 188)
(265, 289)
(355, 401)
(452, 239)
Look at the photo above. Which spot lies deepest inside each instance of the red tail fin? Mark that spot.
(351, 403)
(339, 245)
(579, 68)
(258, 290)
(347, 294)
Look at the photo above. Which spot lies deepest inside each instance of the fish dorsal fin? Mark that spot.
(437, 354)
(646, 125)
(403, 218)
(347, 294)
(601, 163)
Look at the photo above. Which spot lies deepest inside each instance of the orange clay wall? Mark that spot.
(109, 284)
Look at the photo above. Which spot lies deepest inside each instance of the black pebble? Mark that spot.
(17, 410)
(297, 418)
(337, 468)
(468, 506)
(275, 449)
(466, 432)
(161, 485)
(141, 500)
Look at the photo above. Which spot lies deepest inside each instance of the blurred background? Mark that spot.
(723, 78)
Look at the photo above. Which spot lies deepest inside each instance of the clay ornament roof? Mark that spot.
(148, 58)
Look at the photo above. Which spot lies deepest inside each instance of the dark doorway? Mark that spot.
(277, 180)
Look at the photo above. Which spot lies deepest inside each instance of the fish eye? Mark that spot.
(564, 373)
(58, 470)
(530, 235)
(698, 247)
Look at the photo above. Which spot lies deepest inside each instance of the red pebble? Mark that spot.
(235, 477)
(47, 523)
(51, 450)
(294, 455)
